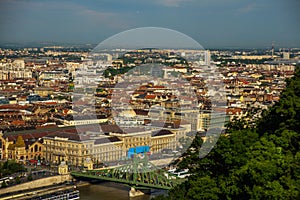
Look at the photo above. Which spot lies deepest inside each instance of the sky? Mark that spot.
(212, 23)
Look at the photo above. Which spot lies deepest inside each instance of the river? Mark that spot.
(112, 191)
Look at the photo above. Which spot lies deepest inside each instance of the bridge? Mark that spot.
(139, 174)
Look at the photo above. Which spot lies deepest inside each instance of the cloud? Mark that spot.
(170, 3)
(93, 14)
(202, 3)
(109, 19)
(247, 9)
(106, 18)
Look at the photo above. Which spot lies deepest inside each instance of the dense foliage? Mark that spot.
(10, 167)
(111, 72)
(251, 163)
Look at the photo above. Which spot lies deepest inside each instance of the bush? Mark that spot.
(4, 184)
(29, 178)
(17, 180)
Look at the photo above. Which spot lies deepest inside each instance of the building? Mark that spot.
(77, 120)
(286, 55)
(164, 139)
(15, 147)
(107, 149)
(14, 70)
(66, 146)
(212, 120)
(110, 145)
(75, 149)
(43, 91)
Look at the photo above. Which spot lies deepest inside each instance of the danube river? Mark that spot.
(106, 190)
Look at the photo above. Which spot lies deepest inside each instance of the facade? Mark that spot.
(43, 91)
(111, 145)
(132, 137)
(66, 147)
(69, 148)
(20, 150)
(107, 149)
(83, 122)
(14, 70)
(209, 120)
(163, 139)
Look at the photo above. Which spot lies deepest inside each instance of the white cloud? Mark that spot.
(178, 3)
(109, 19)
(247, 8)
(170, 3)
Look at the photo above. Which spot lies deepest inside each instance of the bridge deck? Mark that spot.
(139, 173)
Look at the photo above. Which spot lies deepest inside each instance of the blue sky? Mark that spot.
(213, 23)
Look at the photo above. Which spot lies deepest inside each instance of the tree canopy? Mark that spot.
(9, 167)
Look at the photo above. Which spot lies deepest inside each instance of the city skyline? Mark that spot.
(214, 24)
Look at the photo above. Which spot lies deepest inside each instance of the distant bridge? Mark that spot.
(139, 174)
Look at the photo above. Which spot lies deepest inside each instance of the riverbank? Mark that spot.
(44, 191)
(43, 182)
(39, 186)
(29, 194)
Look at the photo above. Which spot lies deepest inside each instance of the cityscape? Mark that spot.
(147, 113)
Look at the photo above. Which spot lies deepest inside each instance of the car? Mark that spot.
(166, 151)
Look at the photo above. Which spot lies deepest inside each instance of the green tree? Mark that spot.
(203, 188)
(29, 177)
(10, 167)
(3, 184)
(17, 180)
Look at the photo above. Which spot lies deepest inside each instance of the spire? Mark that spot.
(272, 49)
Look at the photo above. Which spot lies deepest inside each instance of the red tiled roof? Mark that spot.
(158, 86)
(13, 106)
(18, 122)
(150, 96)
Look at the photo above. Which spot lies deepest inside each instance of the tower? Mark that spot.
(272, 49)
(207, 57)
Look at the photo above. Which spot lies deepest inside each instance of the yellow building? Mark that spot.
(163, 139)
(43, 91)
(66, 147)
(20, 150)
(133, 137)
(35, 150)
(107, 149)
(72, 149)
(111, 145)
